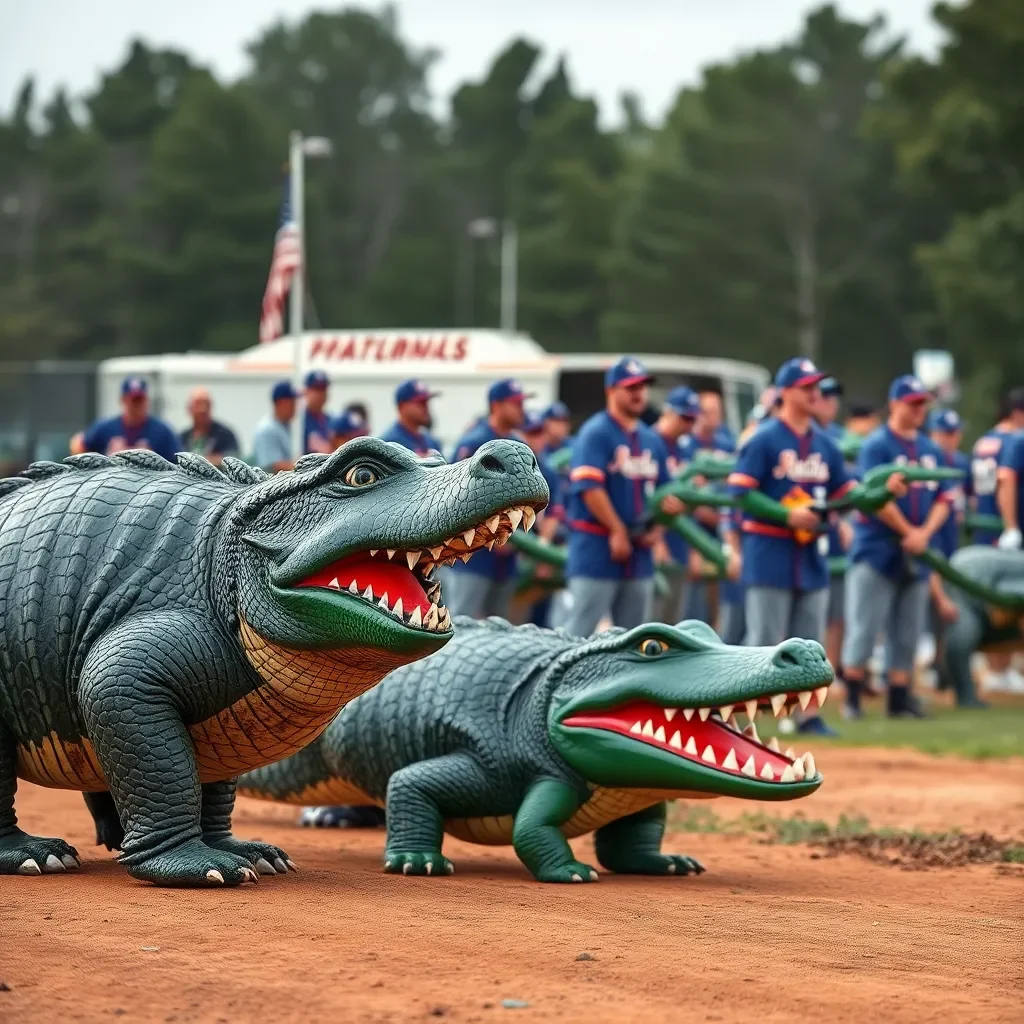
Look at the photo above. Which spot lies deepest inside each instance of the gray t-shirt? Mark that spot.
(272, 442)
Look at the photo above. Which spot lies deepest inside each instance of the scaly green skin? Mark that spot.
(997, 573)
(143, 606)
(501, 723)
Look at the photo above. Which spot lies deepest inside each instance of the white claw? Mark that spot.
(406, 868)
(412, 557)
(368, 593)
(69, 862)
(676, 741)
(778, 703)
(450, 868)
(416, 617)
(529, 517)
(691, 747)
(749, 768)
(659, 733)
(805, 698)
(704, 714)
(575, 877)
(213, 875)
(398, 610)
(264, 867)
(383, 602)
(773, 744)
(53, 864)
(788, 775)
(708, 755)
(648, 729)
(670, 713)
(767, 773)
(515, 517)
(730, 761)
(751, 706)
(430, 867)
(29, 867)
(822, 695)
(593, 875)
(469, 536)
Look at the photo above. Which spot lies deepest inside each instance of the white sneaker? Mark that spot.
(995, 682)
(1014, 681)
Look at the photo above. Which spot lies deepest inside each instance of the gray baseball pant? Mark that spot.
(478, 596)
(775, 614)
(590, 600)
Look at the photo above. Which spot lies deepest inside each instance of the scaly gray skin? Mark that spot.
(525, 735)
(166, 628)
(977, 626)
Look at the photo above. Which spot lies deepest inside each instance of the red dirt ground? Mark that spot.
(771, 933)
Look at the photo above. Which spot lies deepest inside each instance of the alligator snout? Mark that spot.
(795, 653)
(496, 459)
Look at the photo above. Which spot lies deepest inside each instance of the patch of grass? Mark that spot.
(1014, 854)
(994, 732)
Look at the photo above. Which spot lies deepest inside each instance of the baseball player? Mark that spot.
(133, 428)
(316, 423)
(886, 590)
(557, 427)
(795, 463)
(617, 462)
(1010, 492)
(412, 428)
(486, 583)
(345, 427)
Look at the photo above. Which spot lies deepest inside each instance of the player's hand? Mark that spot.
(708, 516)
(734, 566)
(620, 545)
(1009, 540)
(947, 609)
(915, 541)
(896, 485)
(845, 535)
(543, 571)
(803, 519)
(662, 555)
(672, 506)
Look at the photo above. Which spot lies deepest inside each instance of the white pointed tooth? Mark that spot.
(469, 536)
(687, 713)
(383, 602)
(391, 553)
(751, 731)
(635, 728)
(798, 770)
(368, 593)
(446, 623)
(353, 589)
(659, 734)
(435, 553)
(676, 741)
(412, 557)
(767, 773)
(691, 747)
(773, 744)
(467, 556)
(791, 753)
(749, 768)
(398, 610)
(751, 707)
(490, 544)
(374, 551)
(492, 523)
(726, 711)
(416, 617)
(334, 584)
(778, 703)
(430, 619)
(821, 695)
(704, 713)
(515, 517)
(804, 696)
(670, 713)
(708, 755)
(648, 729)
(810, 768)
(730, 760)
(788, 775)
(529, 517)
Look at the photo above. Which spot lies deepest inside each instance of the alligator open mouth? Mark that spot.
(712, 737)
(398, 581)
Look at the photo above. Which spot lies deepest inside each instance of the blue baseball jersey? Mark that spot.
(316, 426)
(1011, 466)
(873, 541)
(114, 435)
(629, 465)
(419, 442)
(793, 469)
(984, 477)
(947, 537)
(499, 564)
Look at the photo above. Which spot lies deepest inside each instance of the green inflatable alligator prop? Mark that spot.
(167, 628)
(529, 736)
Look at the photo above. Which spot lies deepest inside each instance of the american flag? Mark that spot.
(286, 260)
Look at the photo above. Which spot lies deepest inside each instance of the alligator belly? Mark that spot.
(61, 764)
(333, 792)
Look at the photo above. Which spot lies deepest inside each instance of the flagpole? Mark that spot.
(297, 169)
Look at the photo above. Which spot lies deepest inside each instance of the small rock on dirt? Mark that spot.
(514, 1004)
(4, 987)
(586, 956)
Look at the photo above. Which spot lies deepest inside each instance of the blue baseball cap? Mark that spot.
(317, 379)
(134, 387)
(627, 372)
(798, 373)
(532, 424)
(830, 387)
(351, 423)
(683, 401)
(908, 388)
(501, 390)
(414, 391)
(557, 411)
(283, 389)
(946, 421)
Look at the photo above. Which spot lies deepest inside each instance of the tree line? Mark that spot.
(835, 195)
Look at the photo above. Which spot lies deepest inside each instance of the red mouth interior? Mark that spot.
(708, 733)
(385, 577)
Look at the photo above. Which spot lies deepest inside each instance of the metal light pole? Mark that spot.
(299, 148)
(487, 227)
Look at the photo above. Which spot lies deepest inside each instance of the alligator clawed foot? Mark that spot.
(432, 862)
(573, 871)
(267, 859)
(194, 864)
(22, 854)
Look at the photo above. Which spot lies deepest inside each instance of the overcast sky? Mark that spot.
(648, 46)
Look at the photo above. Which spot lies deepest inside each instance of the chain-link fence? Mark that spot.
(41, 405)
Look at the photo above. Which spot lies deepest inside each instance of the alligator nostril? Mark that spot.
(492, 464)
(790, 654)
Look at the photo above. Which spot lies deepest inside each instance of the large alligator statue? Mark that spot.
(527, 736)
(990, 611)
(165, 629)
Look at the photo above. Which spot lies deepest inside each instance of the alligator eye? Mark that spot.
(360, 476)
(652, 648)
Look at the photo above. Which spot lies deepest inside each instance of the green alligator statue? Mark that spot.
(168, 628)
(530, 736)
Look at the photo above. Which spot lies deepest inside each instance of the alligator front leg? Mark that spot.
(415, 820)
(632, 846)
(537, 838)
(20, 853)
(137, 685)
(215, 822)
